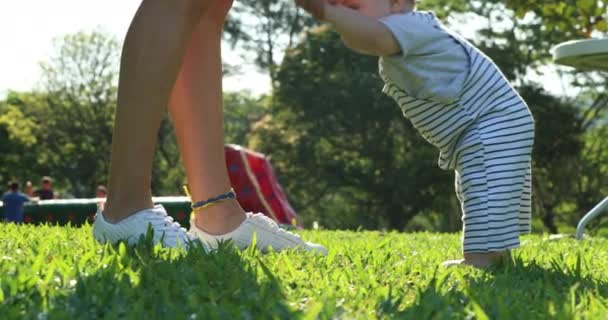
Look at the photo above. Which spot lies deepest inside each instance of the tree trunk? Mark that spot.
(548, 219)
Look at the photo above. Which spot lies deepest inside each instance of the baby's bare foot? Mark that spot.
(480, 260)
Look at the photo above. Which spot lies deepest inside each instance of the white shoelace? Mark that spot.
(164, 223)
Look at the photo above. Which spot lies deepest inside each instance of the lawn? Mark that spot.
(60, 272)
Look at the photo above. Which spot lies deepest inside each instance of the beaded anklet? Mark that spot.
(211, 201)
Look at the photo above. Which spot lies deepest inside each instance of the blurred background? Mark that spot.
(341, 149)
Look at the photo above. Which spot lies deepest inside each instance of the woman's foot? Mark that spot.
(167, 232)
(240, 228)
(480, 260)
(220, 218)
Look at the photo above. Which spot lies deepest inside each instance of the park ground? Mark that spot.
(49, 272)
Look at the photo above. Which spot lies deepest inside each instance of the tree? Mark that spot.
(241, 112)
(75, 114)
(558, 146)
(264, 29)
(77, 95)
(592, 183)
(17, 140)
(570, 18)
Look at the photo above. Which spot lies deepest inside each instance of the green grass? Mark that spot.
(59, 272)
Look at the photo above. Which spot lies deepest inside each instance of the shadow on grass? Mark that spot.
(521, 290)
(154, 283)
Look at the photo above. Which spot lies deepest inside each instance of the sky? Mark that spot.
(27, 28)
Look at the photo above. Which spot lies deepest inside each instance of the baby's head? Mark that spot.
(380, 8)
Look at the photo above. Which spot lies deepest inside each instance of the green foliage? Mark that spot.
(62, 273)
(576, 18)
(342, 147)
(79, 82)
(443, 8)
(570, 169)
(18, 127)
(168, 175)
(557, 153)
(83, 69)
(592, 185)
(241, 112)
(16, 142)
(68, 121)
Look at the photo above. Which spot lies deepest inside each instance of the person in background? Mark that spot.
(29, 189)
(13, 201)
(101, 195)
(46, 192)
(101, 192)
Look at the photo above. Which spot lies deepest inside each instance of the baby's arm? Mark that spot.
(360, 33)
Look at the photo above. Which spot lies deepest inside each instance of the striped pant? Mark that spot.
(493, 180)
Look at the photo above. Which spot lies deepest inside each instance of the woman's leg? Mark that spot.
(196, 109)
(151, 58)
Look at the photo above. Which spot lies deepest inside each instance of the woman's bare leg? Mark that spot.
(152, 55)
(196, 109)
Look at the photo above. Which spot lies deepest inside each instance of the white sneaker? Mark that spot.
(268, 234)
(132, 228)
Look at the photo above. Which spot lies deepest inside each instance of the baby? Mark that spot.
(461, 103)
